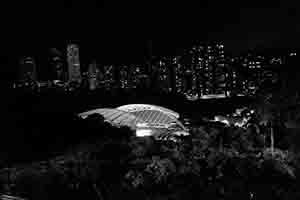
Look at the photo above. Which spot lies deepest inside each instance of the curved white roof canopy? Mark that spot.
(115, 117)
(138, 116)
(143, 107)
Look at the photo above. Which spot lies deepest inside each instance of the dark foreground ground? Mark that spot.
(42, 126)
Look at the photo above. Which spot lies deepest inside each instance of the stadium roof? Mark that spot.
(115, 117)
(139, 116)
(146, 107)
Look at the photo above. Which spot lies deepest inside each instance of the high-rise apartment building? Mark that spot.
(124, 78)
(215, 68)
(110, 74)
(136, 71)
(203, 69)
(73, 63)
(92, 75)
(57, 67)
(28, 71)
(254, 65)
(198, 69)
(164, 75)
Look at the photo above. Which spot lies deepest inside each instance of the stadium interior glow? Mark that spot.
(143, 132)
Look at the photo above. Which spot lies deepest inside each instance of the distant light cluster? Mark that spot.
(201, 70)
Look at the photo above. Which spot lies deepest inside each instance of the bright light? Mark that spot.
(213, 96)
(143, 132)
(225, 122)
(181, 133)
(221, 119)
(239, 124)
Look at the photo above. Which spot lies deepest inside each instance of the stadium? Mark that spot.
(144, 119)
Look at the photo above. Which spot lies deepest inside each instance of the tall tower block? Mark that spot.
(92, 75)
(27, 69)
(73, 63)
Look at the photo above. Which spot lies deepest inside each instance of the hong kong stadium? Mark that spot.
(144, 119)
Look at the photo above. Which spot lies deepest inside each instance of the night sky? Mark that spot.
(118, 30)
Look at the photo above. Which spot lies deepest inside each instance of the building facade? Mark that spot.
(74, 73)
(28, 70)
(57, 65)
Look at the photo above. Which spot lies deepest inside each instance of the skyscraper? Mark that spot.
(110, 75)
(214, 67)
(255, 64)
(164, 75)
(124, 76)
(203, 69)
(135, 75)
(73, 63)
(58, 71)
(92, 75)
(27, 70)
(198, 68)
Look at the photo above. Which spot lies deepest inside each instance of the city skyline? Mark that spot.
(200, 70)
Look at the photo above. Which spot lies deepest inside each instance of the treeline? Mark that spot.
(214, 162)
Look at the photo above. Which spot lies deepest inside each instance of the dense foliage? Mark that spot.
(214, 162)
